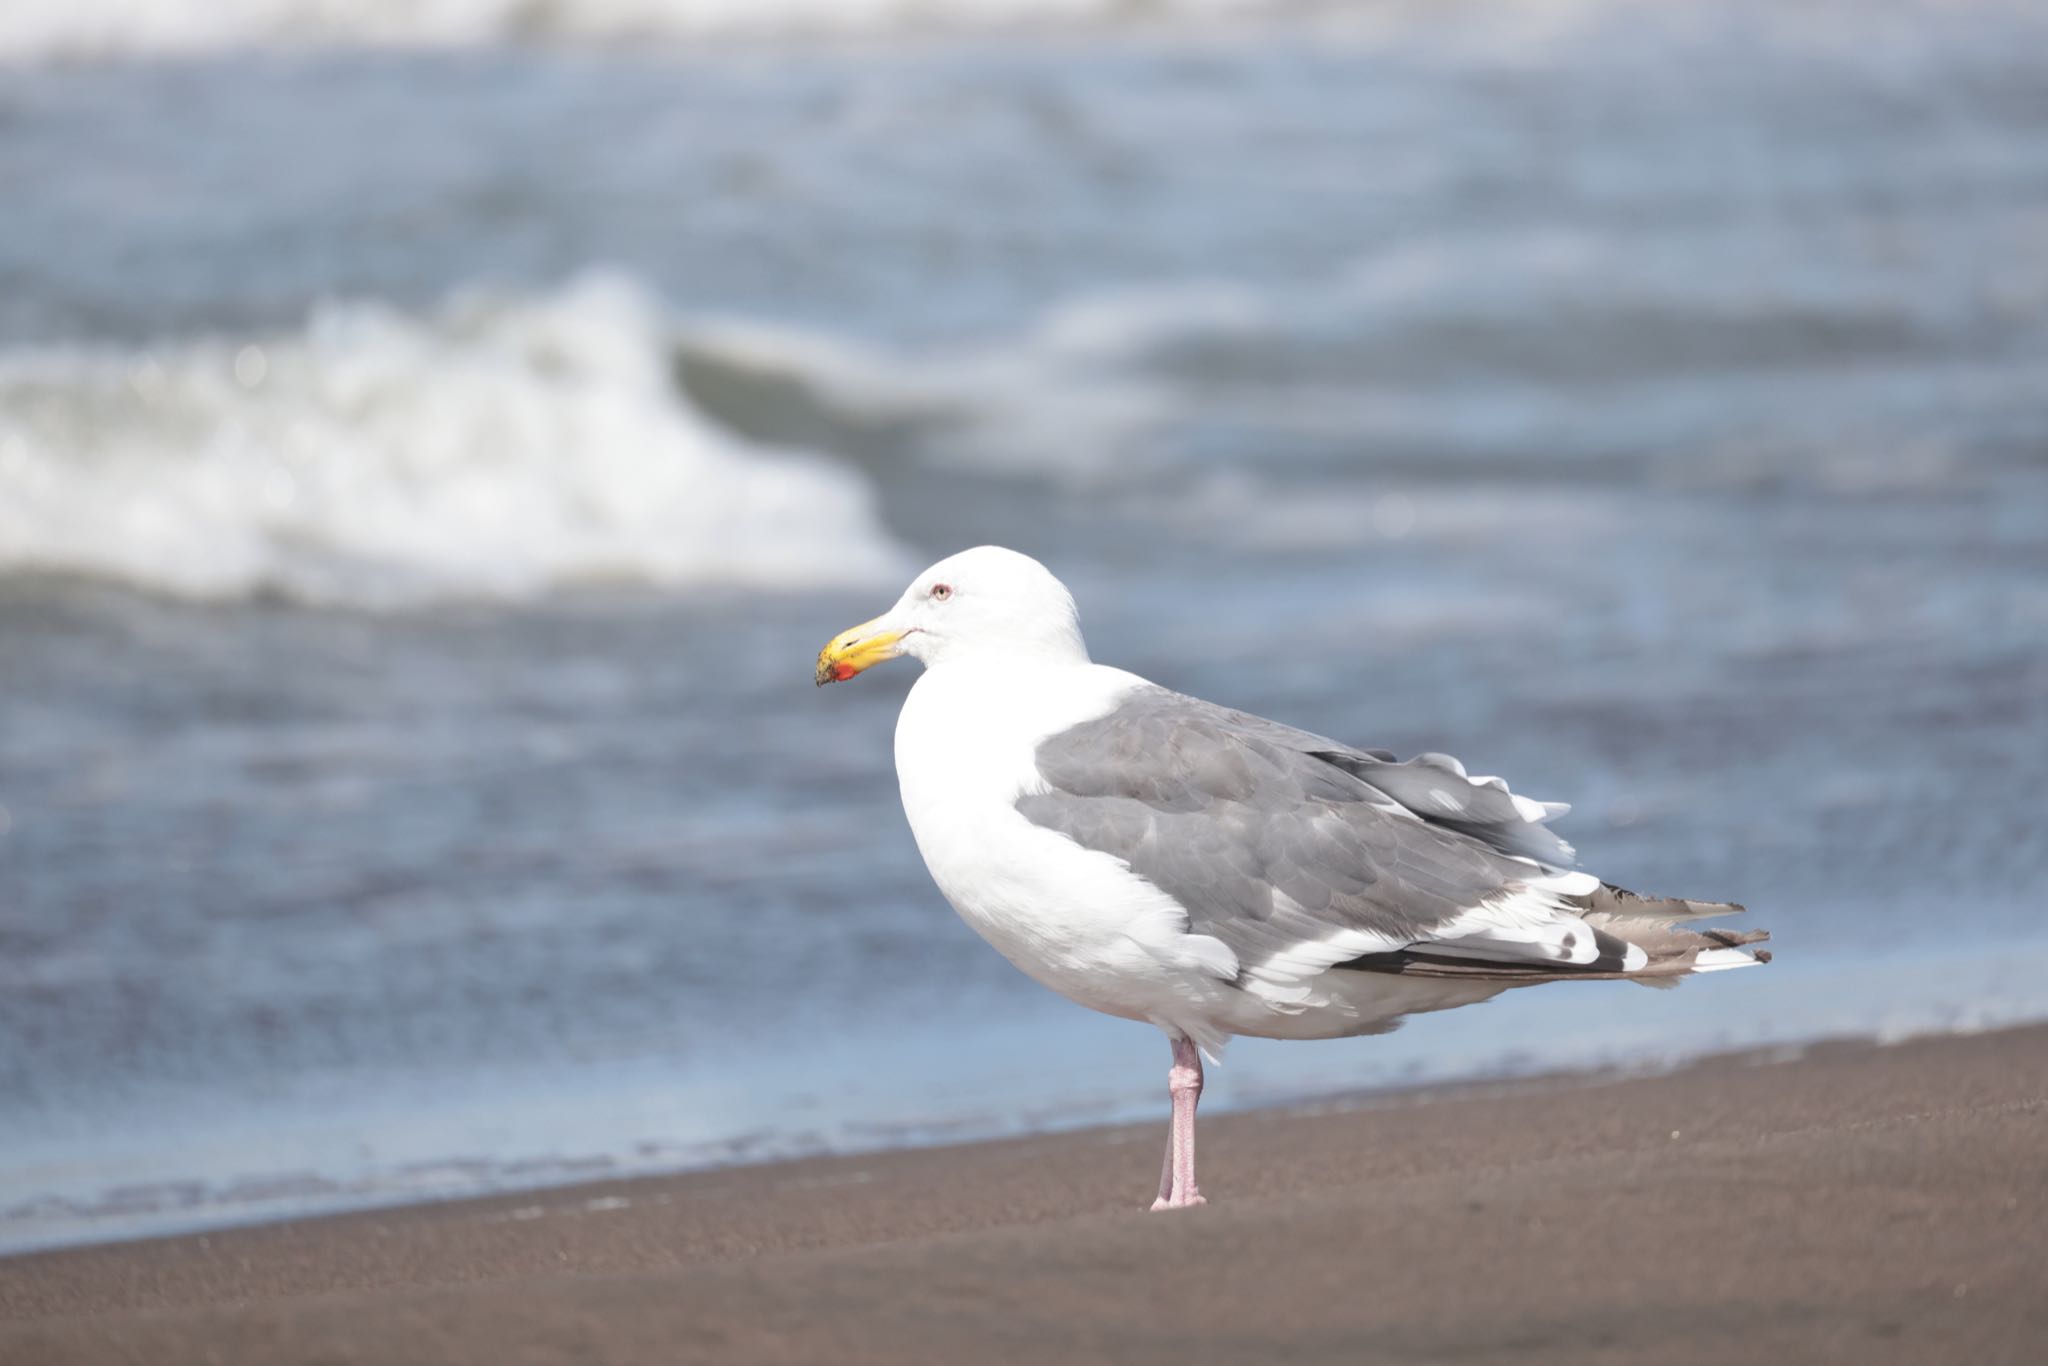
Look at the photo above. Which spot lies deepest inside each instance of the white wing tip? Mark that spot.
(1567, 883)
(1715, 960)
(1534, 812)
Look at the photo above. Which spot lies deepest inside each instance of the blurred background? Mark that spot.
(435, 440)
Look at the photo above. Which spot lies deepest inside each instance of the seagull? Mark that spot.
(1161, 858)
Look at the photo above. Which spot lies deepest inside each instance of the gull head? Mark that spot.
(987, 602)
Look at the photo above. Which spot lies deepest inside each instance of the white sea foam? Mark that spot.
(494, 449)
(1521, 32)
(92, 28)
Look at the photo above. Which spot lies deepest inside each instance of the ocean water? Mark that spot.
(434, 444)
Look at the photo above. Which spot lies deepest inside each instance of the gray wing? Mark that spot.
(1273, 837)
(1435, 787)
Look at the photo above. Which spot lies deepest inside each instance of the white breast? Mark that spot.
(1074, 919)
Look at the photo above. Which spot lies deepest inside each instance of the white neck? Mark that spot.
(969, 731)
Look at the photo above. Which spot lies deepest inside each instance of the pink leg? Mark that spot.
(1184, 1083)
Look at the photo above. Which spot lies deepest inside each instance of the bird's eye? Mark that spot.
(941, 591)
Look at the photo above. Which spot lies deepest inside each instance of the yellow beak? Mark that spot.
(863, 647)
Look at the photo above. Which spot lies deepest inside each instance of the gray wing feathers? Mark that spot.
(1272, 837)
(1436, 787)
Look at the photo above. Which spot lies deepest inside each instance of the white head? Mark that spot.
(985, 601)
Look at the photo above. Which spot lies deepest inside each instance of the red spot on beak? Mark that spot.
(842, 672)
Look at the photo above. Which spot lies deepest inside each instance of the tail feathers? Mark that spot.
(1639, 938)
(1609, 899)
(1675, 952)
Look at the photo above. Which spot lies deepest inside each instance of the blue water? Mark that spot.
(426, 477)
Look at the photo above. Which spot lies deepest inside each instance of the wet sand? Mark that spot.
(1854, 1203)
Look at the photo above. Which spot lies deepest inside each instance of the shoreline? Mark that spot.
(599, 1173)
(295, 1172)
(570, 1184)
(1885, 1200)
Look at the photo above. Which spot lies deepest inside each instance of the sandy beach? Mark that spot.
(1874, 1204)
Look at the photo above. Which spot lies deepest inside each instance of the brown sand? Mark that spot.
(1859, 1204)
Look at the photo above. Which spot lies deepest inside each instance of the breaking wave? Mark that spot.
(495, 449)
(99, 28)
(1518, 33)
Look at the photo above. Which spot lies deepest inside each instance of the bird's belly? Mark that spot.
(1015, 899)
(1346, 1002)
(1073, 920)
